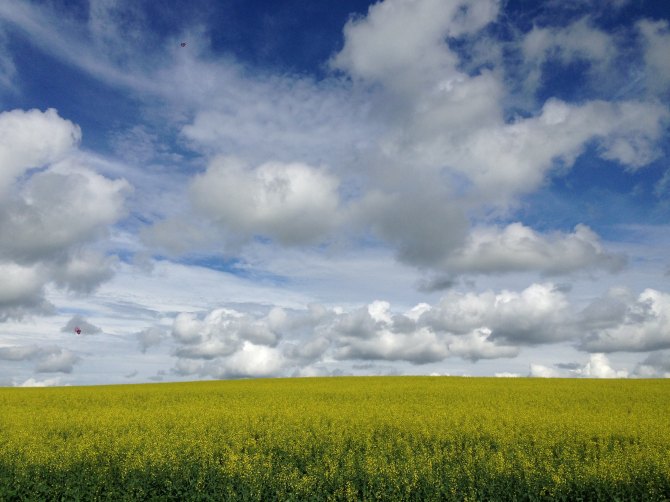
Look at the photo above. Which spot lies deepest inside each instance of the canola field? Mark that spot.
(348, 438)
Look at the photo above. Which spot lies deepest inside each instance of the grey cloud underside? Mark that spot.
(655, 365)
(150, 337)
(48, 359)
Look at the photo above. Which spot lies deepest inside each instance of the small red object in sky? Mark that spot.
(77, 330)
(183, 44)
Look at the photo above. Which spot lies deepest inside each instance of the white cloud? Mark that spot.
(662, 186)
(469, 326)
(443, 118)
(84, 271)
(58, 209)
(541, 371)
(599, 367)
(22, 291)
(538, 314)
(20, 284)
(373, 332)
(19, 353)
(252, 361)
(626, 323)
(518, 247)
(49, 359)
(30, 139)
(221, 333)
(269, 118)
(150, 337)
(479, 344)
(656, 35)
(418, 346)
(579, 40)
(58, 361)
(419, 222)
(576, 40)
(373, 50)
(656, 364)
(47, 382)
(510, 159)
(292, 203)
(7, 66)
(62, 38)
(48, 215)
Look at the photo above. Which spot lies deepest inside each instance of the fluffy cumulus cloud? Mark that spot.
(292, 203)
(597, 366)
(372, 333)
(622, 322)
(51, 206)
(222, 333)
(539, 314)
(542, 371)
(518, 247)
(509, 159)
(49, 359)
(21, 291)
(373, 50)
(46, 382)
(443, 116)
(447, 147)
(32, 139)
(84, 270)
(470, 326)
(466, 326)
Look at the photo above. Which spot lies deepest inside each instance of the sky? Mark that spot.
(250, 188)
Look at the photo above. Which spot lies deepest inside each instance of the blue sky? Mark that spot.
(463, 187)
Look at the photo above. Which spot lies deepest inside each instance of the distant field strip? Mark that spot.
(359, 438)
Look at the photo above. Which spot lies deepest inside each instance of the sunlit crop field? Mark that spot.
(385, 438)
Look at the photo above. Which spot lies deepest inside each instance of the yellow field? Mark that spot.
(381, 438)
